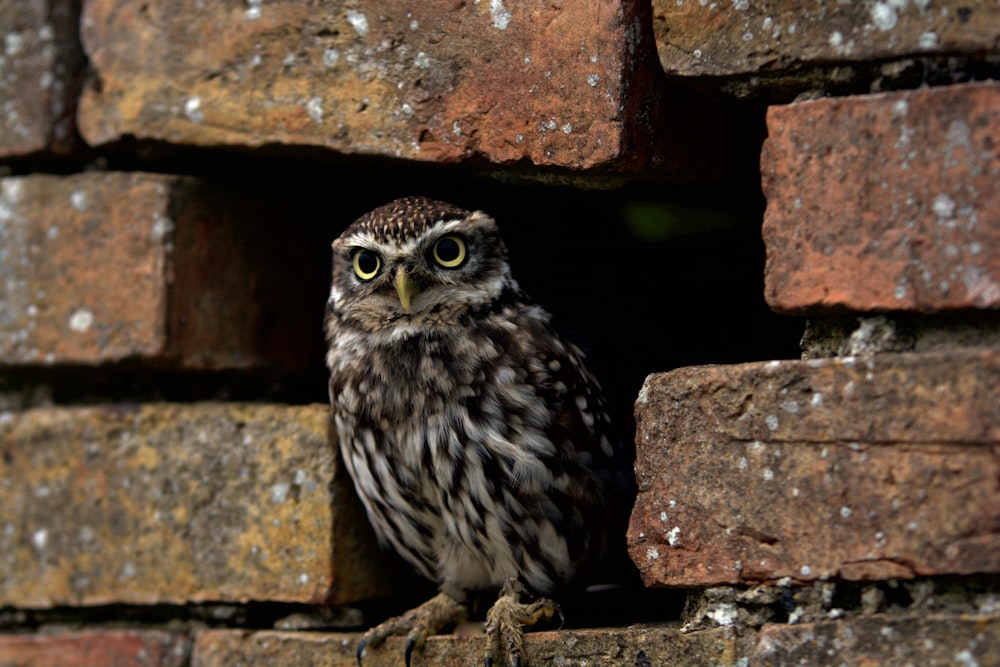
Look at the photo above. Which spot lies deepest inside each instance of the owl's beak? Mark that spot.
(405, 288)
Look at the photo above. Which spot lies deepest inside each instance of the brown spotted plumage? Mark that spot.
(476, 437)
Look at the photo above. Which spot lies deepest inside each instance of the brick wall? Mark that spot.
(778, 226)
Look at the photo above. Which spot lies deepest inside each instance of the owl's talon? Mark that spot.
(505, 619)
(408, 652)
(360, 654)
(417, 624)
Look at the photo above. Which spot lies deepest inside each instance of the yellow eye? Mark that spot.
(449, 251)
(366, 263)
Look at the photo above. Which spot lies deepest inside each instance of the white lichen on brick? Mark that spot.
(81, 320)
(192, 109)
(314, 109)
(358, 21)
(501, 16)
(943, 206)
(253, 9)
(674, 537)
(40, 538)
(279, 492)
(78, 200)
(724, 614)
(884, 15)
(928, 40)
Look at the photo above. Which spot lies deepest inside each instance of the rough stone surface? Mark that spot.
(697, 38)
(925, 639)
(41, 72)
(110, 267)
(97, 648)
(565, 86)
(639, 646)
(168, 503)
(884, 202)
(827, 468)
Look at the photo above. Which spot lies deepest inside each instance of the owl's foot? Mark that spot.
(504, 621)
(417, 624)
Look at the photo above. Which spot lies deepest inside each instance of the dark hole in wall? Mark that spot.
(651, 276)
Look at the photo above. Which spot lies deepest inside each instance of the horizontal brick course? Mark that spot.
(919, 639)
(926, 639)
(96, 648)
(177, 503)
(696, 38)
(849, 468)
(171, 270)
(664, 647)
(884, 202)
(566, 86)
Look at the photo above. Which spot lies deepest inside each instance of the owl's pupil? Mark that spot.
(367, 262)
(448, 250)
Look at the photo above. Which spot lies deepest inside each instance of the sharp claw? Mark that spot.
(410, 644)
(488, 661)
(362, 645)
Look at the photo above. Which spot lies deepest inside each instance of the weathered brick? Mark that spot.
(884, 202)
(171, 503)
(828, 468)
(41, 73)
(174, 271)
(659, 646)
(915, 639)
(563, 85)
(96, 648)
(697, 38)
(924, 639)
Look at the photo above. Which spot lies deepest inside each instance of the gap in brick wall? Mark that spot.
(650, 275)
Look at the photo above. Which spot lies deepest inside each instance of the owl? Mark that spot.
(475, 435)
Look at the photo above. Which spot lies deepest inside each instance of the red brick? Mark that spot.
(697, 38)
(884, 202)
(565, 85)
(97, 648)
(41, 73)
(176, 503)
(834, 468)
(174, 271)
(664, 647)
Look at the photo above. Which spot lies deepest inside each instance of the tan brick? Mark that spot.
(563, 85)
(696, 38)
(915, 639)
(858, 469)
(884, 202)
(170, 503)
(175, 271)
(41, 73)
(97, 648)
(663, 647)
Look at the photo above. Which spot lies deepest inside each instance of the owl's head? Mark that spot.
(417, 262)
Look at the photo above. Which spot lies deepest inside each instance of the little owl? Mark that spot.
(476, 437)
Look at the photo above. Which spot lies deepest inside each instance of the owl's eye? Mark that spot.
(449, 251)
(366, 263)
